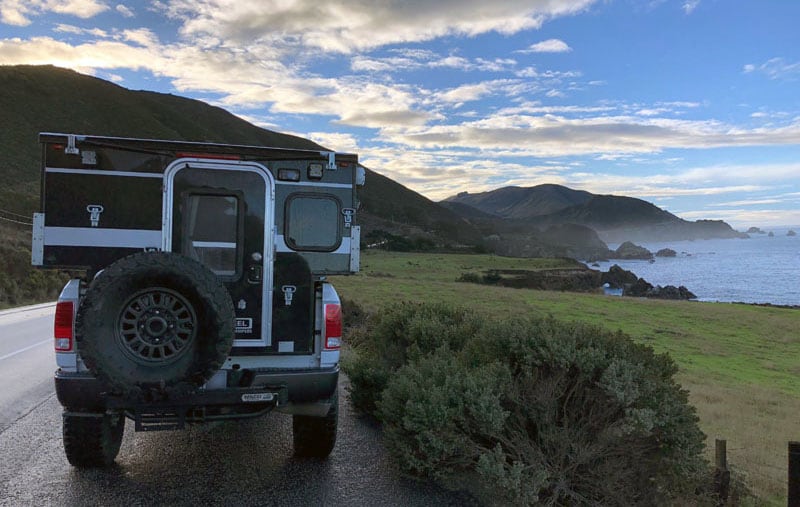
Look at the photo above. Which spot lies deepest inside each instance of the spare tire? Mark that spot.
(155, 321)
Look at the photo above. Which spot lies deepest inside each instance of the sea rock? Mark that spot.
(670, 292)
(771, 234)
(639, 289)
(629, 250)
(754, 230)
(618, 278)
(791, 233)
(666, 252)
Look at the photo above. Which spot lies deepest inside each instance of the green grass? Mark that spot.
(739, 362)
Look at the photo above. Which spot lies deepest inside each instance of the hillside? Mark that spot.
(615, 218)
(50, 99)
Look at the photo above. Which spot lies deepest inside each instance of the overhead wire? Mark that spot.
(29, 224)
(13, 214)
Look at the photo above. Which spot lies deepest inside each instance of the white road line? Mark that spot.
(20, 351)
(21, 309)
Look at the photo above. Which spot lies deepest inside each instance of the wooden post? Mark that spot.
(722, 476)
(721, 454)
(794, 474)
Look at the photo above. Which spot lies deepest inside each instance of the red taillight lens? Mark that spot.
(333, 326)
(62, 329)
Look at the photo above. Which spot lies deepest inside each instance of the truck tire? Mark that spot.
(92, 440)
(314, 437)
(155, 323)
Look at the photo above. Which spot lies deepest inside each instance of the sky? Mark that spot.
(693, 105)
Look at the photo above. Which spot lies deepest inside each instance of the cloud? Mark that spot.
(775, 68)
(20, 12)
(64, 28)
(124, 10)
(746, 202)
(345, 26)
(690, 5)
(548, 46)
(467, 92)
(406, 60)
(743, 218)
(336, 141)
(550, 135)
(142, 37)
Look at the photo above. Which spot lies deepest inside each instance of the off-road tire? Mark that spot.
(155, 322)
(314, 437)
(92, 440)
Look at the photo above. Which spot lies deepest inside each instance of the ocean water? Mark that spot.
(761, 269)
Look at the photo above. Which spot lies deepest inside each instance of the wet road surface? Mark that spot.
(227, 463)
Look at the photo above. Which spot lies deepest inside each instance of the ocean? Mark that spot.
(761, 269)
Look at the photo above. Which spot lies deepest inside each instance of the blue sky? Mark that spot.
(693, 105)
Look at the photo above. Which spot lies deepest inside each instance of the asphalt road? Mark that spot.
(230, 463)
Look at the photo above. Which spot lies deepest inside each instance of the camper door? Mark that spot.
(221, 213)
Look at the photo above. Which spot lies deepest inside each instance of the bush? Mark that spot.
(532, 410)
(395, 335)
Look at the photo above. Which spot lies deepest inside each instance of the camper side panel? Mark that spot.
(95, 211)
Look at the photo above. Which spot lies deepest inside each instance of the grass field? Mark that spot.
(739, 362)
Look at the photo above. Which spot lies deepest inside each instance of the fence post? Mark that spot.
(722, 476)
(794, 475)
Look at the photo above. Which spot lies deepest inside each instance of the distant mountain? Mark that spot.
(615, 218)
(518, 202)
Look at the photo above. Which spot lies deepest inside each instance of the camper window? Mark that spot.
(212, 226)
(312, 222)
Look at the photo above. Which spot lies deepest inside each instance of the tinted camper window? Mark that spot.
(211, 231)
(312, 222)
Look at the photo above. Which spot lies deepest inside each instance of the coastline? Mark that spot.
(761, 270)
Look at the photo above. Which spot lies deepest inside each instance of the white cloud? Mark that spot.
(744, 218)
(775, 68)
(464, 93)
(555, 136)
(64, 28)
(348, 25)
(335, 141)
(548, 46)
(142, 37)
(690, 5)
(20, 12)
(124, 10)
(747, 202)
(405, 60)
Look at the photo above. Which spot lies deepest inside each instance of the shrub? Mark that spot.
(470, 278)
(395, 335)
(532, 410)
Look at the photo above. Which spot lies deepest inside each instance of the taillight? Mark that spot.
(62, 329)
(333, 326)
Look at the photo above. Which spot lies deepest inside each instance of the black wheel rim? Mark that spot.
(156, 326)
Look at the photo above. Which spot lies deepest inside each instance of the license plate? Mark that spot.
(252, 397)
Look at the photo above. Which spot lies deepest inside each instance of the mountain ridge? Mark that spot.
(614, 218)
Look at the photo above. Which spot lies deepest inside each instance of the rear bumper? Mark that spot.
(83, 392)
